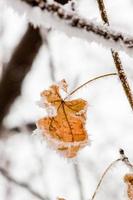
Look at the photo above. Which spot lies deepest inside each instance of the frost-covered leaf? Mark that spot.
(66, 130)
(128, 178)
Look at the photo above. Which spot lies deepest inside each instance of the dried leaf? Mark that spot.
(60, 198)
(66, 130)
(128, 178)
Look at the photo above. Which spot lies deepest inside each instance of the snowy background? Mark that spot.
(109, 119)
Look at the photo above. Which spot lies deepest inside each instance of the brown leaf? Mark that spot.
(128, 178)
(65, 131)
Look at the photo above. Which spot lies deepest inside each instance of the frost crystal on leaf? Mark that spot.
(64, 131)
(128, 178)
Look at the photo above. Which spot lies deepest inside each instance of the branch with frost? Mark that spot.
(115, 55)
(55, 16)
(21, 184)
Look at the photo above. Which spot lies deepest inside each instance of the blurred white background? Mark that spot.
(109, 117)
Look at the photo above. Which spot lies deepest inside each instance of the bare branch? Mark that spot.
(125, 159)
(44, 34)
(103, 176)
(78, 180)
(29, 127)
(122, 158)
(116, 58)
(21, 184)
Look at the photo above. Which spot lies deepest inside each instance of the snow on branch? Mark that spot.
(53, 15)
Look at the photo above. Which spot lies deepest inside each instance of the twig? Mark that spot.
(31, 126)
(125, 159)
(123, 78)
(103, 176)
(51, 62)
(122, 158)
(72, 24)
(78, 179)
(21, 184)
(116, 58)
(94, 79)
(26, 128)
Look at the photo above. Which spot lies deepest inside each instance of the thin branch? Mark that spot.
(103, 176)
(27, 128)
(86, 83)
(116, 58)
(30, 127)
(46, 40)
(123, 77)
(122, 158)
(45, 33)
(103, 12)
(51, 63)
(21, 184)
(55, 16)
(78, 180)
(125, 159)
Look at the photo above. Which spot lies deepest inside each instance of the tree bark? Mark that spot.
(17, 68)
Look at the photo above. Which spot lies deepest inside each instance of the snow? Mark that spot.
(52, 20)
(109, 118)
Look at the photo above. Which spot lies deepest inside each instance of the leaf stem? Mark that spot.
(122, 158)
(102, 177)
(91, 80)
